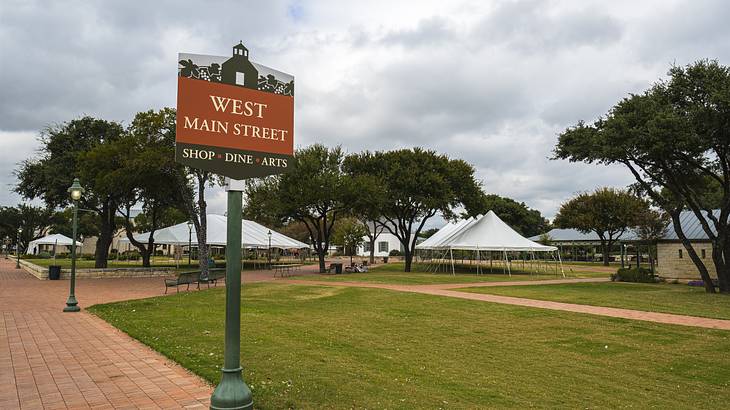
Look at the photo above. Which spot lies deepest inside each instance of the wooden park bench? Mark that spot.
(184, 278)
(214, 275)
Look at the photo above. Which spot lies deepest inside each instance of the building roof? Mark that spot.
(574, 235)
(690, 226)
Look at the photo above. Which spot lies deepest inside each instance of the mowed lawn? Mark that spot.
(392, 273)
(659, 297)
(320, 347)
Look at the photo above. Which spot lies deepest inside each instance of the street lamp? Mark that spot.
(17, 249)
(190, 240)
(269, 234)
(75, 190)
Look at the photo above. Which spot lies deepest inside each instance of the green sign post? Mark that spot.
(234, 118)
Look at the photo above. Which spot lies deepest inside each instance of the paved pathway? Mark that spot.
(55, 360)
(446, 290)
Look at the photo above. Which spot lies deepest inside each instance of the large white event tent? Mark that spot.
(483, 233)
(53, 240)
(253, 235)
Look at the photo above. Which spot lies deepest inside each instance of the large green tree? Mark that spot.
(608, 212)
(316, 192)
(525, 220)
(417, 184)
(35, 222)
(150, 177)
(60, 159)
(675, 140)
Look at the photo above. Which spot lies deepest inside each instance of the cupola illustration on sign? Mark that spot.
(235, 117)
(238, 70)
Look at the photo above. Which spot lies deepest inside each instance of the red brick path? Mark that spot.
(55, 360)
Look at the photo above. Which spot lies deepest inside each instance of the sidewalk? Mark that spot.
(55, 360)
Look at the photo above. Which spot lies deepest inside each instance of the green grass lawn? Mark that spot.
(659, 297)
(392, 273)
(320, 347)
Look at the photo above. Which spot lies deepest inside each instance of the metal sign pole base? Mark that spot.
(232, 392)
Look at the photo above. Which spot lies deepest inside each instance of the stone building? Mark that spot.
(672, 257)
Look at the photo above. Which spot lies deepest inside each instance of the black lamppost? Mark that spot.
(17, 250)
(190, 240)
(75, 190)
(269, 234)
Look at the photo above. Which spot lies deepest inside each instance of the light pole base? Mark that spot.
(71, 305)
(231, 393)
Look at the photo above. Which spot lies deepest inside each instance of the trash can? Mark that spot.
(338, 268)
(54, 272)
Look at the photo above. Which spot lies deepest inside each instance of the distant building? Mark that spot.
(675, 263)
(672, 261)
(238, 70)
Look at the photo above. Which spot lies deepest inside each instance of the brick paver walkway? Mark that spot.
(446, 290)
(55, 360)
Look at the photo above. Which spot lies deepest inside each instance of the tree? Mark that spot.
(149, 176)
(418, 184)
(366, 204)
(528, 222)
(35, 222)
(350, 233)
(608, 212)
(61, 158)
(675, 140)
(315, 192)
(428, 233)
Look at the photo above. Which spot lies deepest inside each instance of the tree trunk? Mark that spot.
(372, 252)
(408, 256)
(146, 258)
(605, 253)
(322, 263)
(720, 266)
(704, 274)
(106, 233)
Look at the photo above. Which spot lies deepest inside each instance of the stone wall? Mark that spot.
(670, 265)
(41, 272)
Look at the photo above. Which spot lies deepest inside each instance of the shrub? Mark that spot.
(395, 252)
(642, 275)
(44, 255)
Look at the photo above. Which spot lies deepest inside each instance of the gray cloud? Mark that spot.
(493, 83)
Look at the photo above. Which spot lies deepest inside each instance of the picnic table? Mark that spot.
(285, 269)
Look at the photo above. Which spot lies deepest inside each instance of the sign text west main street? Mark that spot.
(234, 117)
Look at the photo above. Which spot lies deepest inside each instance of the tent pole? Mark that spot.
(453, 270)
(508, 263)
(560, 261)
(478, 261)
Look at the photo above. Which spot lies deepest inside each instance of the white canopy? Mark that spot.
(254, 235)
(487, 233)
(54, 239)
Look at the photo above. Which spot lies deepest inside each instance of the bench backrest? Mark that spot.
(216, 273)
(188, 277)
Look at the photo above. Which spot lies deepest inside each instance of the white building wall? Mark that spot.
(384, 243)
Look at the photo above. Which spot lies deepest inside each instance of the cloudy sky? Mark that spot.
(491, 82)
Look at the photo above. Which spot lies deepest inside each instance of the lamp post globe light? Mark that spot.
(269, 234)
(75, 190)
(190, 240)
(17, 249)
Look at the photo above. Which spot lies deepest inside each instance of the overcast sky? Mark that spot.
(492, 82)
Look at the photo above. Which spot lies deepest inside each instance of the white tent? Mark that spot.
(254, 235)
(54, 240)
(483, 233)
